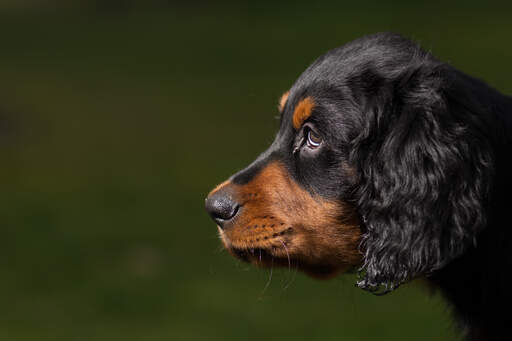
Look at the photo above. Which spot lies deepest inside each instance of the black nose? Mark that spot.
(222, 207)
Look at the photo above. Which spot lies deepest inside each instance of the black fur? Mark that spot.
(423, 152)
(431, 148)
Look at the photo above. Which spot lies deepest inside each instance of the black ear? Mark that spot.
(425, 166)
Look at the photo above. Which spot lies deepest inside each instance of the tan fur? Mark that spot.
(219, 186)
(282, 101)
(286, 221)
(302, 111)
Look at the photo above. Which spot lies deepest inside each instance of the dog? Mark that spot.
(391, 163)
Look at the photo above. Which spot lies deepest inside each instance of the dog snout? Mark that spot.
(222, 206)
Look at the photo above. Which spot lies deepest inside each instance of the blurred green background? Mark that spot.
(116, 119)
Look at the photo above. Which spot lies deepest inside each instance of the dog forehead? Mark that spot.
(386, 52)
(319, 102)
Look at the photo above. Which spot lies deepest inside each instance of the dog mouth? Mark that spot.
(263, 249)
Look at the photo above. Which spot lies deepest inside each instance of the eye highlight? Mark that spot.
(313, 140)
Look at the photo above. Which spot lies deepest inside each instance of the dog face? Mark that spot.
(290, 207)
(375, 165)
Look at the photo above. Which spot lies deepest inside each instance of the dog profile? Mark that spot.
(390, 163)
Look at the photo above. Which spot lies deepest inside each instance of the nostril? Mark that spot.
(221, 207)
(233, 212)
(224, 213)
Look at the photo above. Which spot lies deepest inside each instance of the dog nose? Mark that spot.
(222, 207)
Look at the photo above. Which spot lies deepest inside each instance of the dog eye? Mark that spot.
(313, 140)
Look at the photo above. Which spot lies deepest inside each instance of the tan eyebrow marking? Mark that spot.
(282, 101)
(303, 110)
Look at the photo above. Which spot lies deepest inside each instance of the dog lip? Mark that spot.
(265, 241)
(262, 256)
(246, 253)
(240, 254)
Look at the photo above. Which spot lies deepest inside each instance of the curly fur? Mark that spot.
(426, 170)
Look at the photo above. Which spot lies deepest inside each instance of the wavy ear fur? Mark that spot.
(425, 166)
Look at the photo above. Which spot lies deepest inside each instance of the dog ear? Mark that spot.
(424, 164)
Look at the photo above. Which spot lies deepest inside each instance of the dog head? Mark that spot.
(381, 163)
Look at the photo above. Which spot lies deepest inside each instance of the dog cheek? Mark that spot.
(339, 249)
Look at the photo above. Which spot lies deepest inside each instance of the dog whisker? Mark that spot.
(287, 254)
(293, 277)
(269, 278)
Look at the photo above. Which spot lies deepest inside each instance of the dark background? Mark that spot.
(118, 117)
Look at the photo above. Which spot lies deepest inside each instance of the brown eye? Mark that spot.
(313, 139)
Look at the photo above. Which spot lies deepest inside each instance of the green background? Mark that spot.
(117, 118)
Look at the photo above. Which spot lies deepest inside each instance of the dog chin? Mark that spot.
(323, 271)
(263, 258)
